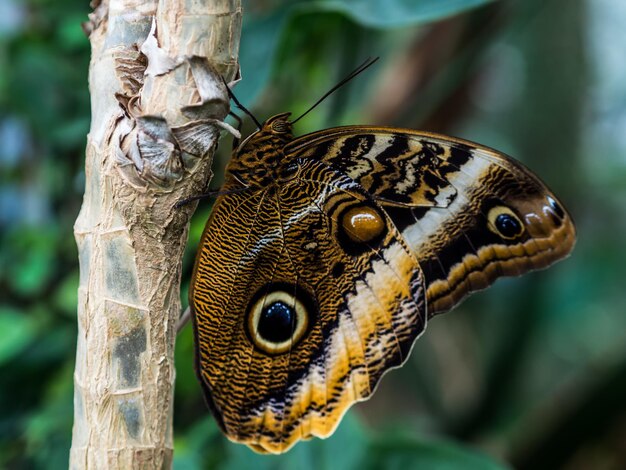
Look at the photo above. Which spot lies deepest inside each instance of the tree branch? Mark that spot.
(157, 106)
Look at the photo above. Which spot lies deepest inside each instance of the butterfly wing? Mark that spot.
(468, 213)
(303, 295)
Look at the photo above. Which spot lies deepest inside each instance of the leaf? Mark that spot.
(197, 447)
(64, 297)
(17, 331)
(259, 43)
(395, 13)
(401, 453)
(47, 428)
(31, 272)
(260, 40)
(345, 449)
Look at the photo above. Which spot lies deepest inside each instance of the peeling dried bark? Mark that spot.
(157, 108)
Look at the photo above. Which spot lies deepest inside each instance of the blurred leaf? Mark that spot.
(48, 429)
(259, 43)
(65, 297)
(71, 34)
(346, 450)
(17, 331)
(32, 271)
(68, 133)
(395, 13)
(30, 277)
(198, 448)
(186, 382)
(55, 342)
(261, 34)
(402, 453)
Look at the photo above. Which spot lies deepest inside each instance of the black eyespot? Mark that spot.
(558, 210)
(277, 322)
(508, 226)
(504, 222)
(278, 317)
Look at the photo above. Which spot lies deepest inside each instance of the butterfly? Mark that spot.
(325, 256)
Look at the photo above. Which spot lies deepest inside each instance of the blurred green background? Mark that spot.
(529, 374)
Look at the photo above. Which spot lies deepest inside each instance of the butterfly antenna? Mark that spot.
(370, 61)
(240, 106)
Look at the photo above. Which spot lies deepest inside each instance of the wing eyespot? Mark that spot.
(278, 319)
(504, 222)
(362, 224)
(361, 227)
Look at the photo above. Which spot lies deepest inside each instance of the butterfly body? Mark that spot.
(326, 255)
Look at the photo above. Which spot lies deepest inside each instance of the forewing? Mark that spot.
(443, 194)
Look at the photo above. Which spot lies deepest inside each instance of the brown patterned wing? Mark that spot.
(469, 214)
(303, 295)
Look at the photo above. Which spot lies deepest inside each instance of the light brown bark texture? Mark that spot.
(157, 108)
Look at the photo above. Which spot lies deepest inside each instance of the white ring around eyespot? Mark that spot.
(493, 214)
(302, 321)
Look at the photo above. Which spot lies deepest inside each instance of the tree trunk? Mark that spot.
(157, 107)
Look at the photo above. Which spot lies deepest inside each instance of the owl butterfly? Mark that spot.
(325, 256)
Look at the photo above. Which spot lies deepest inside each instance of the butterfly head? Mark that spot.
(275, 131)
(279, 125)
(257, 160)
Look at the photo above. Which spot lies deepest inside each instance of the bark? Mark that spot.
(157, 108)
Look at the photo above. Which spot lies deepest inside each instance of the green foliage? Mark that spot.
(349, 448)
(18, 330)
(398, 453)
(531, 373)
(261, 40)
(394, 13)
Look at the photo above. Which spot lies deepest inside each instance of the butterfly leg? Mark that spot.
(236, 140)
(184, 318)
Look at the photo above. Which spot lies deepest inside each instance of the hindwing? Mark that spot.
(356, 293)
